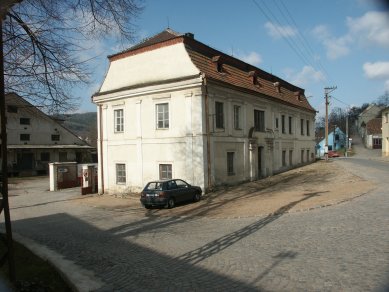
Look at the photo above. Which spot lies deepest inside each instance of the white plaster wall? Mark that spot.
(162, 64)
(385, 132)
(142, 147)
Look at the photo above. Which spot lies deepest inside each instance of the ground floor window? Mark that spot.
(302, 155)
(307, 155)
(120, 173)
(283, 157)
(377, 142)
(165, 171)
(230, 163)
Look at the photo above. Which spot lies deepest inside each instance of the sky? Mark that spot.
(310, 43)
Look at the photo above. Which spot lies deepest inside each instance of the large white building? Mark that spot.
(174, 107)
(34, 140)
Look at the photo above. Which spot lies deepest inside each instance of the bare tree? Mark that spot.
(44, 41)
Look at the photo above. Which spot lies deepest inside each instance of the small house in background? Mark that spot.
(372, 136)
(371, 112)
(385, 132)
(35, 139)
(336, 141)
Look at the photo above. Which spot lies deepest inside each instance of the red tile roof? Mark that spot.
(235, 72)
(374, 126)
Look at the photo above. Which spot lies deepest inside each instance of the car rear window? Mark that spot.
(154, 186)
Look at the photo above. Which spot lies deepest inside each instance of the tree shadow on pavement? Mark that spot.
(227, 240)
(121, 264)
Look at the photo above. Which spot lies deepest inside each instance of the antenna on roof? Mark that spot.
(168, 23)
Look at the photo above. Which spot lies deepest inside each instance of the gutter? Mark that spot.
(207, 132)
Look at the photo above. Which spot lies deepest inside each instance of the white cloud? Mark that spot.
(370, 29)
(252, 58)
(377, 70)
(306, 76)
(336, 47)
(277, 31)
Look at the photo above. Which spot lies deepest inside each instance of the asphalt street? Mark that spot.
(343, 247)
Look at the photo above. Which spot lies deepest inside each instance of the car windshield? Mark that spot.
(154, 186)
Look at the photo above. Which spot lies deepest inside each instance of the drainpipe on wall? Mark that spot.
(101, 146)
(207, 132)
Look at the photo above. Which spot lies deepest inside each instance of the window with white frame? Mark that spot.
(237, 125)
(120, 173)
(119, 120)
(259, 120)
(165, 171)
(219, 115)
(308, 128)
(162, 115)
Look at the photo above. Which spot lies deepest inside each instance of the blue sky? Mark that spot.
(310, 43)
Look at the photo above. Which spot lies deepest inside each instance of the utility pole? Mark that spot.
(327, 90)
(346, 134)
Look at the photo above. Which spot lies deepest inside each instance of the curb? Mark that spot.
(76, 277)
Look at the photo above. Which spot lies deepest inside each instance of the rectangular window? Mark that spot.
(283, 158)
(24, 137)
(307, 155)
(230, 163)
(55, 137)
(283, 124)
(259, 121)
(237, 117)
(45, 156)
(302, 156)
(290, 125)
(165, 171)
(119, 120)
(24, 121)
(276, 123)
(302, 126)
(308, 132)
(120, 173)
(162, 115)
(12, 109)
(219, 115)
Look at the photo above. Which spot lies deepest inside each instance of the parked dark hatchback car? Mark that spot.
(167, 193)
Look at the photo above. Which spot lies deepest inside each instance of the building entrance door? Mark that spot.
(260, 161)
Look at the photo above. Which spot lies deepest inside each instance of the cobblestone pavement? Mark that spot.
(340, 248)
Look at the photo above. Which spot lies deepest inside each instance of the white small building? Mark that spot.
(35, 139)
(172, 107)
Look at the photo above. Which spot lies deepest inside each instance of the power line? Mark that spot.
(280, 32)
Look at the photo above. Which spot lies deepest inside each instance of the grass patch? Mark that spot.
(33, 273)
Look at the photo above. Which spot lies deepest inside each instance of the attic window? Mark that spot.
(254, 77)
(218, 64)
(298, 96)
(277, 85)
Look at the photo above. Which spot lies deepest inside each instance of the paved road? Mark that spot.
(343, 247)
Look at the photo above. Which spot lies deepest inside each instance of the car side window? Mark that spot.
(181, 184)
(171, 185)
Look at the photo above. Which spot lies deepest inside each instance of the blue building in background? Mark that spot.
(336, 141)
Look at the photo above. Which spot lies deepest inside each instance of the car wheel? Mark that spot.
(170, 203)
(147, 206)
(196, 197)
